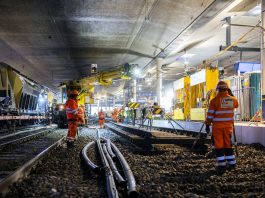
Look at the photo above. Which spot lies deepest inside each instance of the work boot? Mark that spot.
(231, 167)
(70, 144)
(220, 170)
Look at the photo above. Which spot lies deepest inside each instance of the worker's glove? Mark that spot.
(207, 128)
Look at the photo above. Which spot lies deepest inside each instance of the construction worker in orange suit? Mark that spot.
(81, 115)
(221, 115)
(101, 118)
(71, 107)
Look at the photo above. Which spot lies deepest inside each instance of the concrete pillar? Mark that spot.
(159, 80)
(263, 57)
(134, 90)
(106, 104)
(124, 97)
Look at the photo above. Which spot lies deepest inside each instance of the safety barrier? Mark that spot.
(22, 117)
(249, 103)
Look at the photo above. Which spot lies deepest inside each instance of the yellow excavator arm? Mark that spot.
(106, 77)
(86, 85)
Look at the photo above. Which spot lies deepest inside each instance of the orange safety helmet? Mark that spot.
(74, 92)
(222, 85)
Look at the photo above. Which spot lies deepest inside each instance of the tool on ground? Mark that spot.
(199, 134)
(235, 140)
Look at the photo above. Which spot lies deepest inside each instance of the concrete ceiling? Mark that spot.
(204, 42)
(53, 41)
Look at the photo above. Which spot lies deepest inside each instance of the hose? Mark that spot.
(110, 150)
(111, 187)
(113, 167)
(131, 184)
(85, 158)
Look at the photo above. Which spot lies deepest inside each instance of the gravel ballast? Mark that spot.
(172, 172)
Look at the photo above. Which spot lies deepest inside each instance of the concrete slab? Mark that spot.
(246, 133)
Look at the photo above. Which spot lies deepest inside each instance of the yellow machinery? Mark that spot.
(201, 83)
(193, 92)
(22, 100)
(182, 99)
(179, 99)
(105, 78)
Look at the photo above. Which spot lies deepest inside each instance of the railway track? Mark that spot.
(19, 155)
(8, 131)
(146, 139)
(24, 135)
(170, 171)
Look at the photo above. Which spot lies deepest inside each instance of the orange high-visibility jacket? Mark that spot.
(101, 115)
(221, 110)
(81, 115)
(71, 109)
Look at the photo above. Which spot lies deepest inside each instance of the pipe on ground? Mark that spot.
(131, 184)
(111, 187)
(113, 167)
(85, 158)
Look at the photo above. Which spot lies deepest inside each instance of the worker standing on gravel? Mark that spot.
(101, 118)
(81, 115)
(221, 116)
(71, 108)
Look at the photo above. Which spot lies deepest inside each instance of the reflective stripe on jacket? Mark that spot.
(221, 110)
(71, 107)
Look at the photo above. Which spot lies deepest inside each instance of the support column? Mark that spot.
(98, 104)
(114, 102)
(134, 90)
(263, 57)
(124, 97)
(159, 80)
(106, 103)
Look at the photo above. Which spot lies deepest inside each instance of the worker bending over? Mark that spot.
(101, 118)
(71, 107)
(221, 115)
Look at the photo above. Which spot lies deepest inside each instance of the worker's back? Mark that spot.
(221, 110)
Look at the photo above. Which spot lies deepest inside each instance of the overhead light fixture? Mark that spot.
(187, 55)
(225, 25)
(136, 71)
(256, 11)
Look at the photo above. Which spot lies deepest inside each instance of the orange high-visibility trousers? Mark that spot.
(101, 121)
(222, 137)
(72, 130)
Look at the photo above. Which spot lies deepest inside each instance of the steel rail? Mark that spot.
(20, 128)
(131, 183)
(113, 167)
(85, 158)
(25, 138)
(111, 187)
(21, 132)
(24, 170)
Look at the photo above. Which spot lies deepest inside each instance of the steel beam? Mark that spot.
(240, 49)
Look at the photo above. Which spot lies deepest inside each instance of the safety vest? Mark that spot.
(81, 115)
(71, 109)
(101, 115)
(221, 110)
